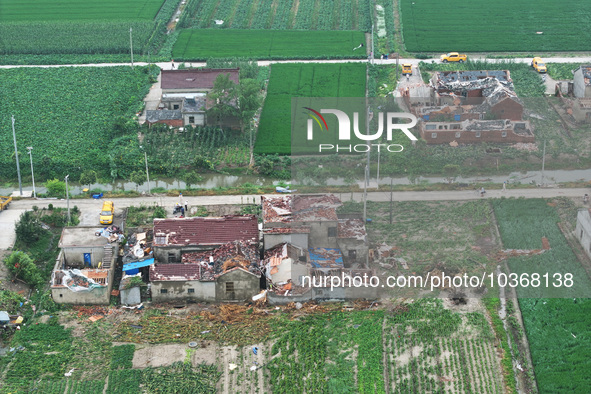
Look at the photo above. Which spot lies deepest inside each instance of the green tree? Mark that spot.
(192, 178)
(88, 177)
(56, 188)
(451, 172)
(224, 95)
(28, 229)
(138, 177)
(23, 267)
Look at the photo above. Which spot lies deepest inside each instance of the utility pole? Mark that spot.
(147, 173)
(30, 148)
(391, 192)
(378, 175)
(68, 199)
(131, 46)
(543, 162)
(372, 48)
(18, 167)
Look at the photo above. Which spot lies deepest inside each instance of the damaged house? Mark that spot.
(206, 258)
(304, 238)
(84, 269)
(312, 221)
(184, 100)
(473, 107)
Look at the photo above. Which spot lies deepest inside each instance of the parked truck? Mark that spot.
(538, 65)
(406, 69)
(4, 201)
(454, 57)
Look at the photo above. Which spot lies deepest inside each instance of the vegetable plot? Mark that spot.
(284, 14)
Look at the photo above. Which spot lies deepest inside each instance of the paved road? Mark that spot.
(414, 62)
(90, 208)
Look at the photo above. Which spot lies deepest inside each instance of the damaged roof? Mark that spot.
(586, 70)
(195, 79)
(205, 230)
(154, 116)
(473, 75)
(287, 230)
(225, 258)
(298, 208)
(459, 85)
(325, 258)
(351, 228)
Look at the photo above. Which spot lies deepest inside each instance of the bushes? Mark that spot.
(23, 267)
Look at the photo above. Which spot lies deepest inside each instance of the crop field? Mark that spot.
(556, 328)
(479, 26)
(48, 10)
(79, 27)
(281, 14)
(202, 44)
(302, 80)
(419, 346)
(68, 116)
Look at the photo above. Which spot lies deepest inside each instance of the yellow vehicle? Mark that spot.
(453, 57)
(4, 201)
(406, 69)
(538, 64)
(107, 212)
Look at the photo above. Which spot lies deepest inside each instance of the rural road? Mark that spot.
(414, 62)
(90, 207)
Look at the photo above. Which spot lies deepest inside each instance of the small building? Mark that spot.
(84, 270)
(285, 263)
(582, 81)
(184, 99)
(583, 229)
(174, 237)
(473, 107)
(230, 272)
(352, 240)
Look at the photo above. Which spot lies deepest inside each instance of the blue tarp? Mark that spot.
(325, 257)
(138, 264)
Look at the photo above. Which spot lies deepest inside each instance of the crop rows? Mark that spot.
(275, 14)
(547, 26)
(426, 352)
(302, 80)
(555, 327)
(46, 29)
(204, 44)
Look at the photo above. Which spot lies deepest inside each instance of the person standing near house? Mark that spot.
(187, 206)
(504, 185)
(172, 62)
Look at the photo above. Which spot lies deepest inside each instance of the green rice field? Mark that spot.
(302, 80)
(201, 44)
(502, 25)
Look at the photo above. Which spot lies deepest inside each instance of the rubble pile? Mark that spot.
(112, 233)
(351, 228)
(228, 256)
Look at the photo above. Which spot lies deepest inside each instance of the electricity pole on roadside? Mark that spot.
(131, 46)
(68, 199)
(147, 173)
(18, 167)
(30, 148)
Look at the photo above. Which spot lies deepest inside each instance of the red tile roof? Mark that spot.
(194, 79)
(351, 228)
(174, 272)
(205, 231)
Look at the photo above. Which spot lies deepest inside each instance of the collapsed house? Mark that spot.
(206, 258)
(468, 107)
(582, 81)
(84, 269)
(184, 100)
(312, 221)
(305, 241)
